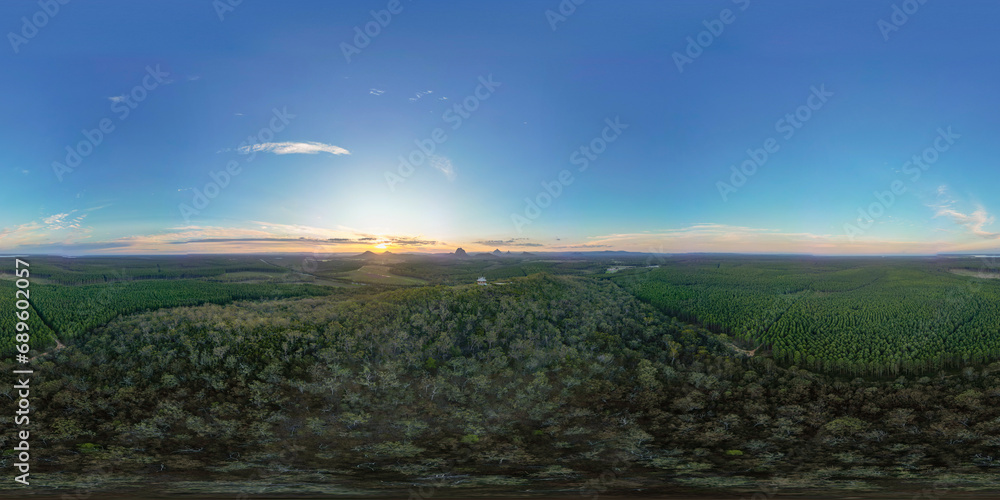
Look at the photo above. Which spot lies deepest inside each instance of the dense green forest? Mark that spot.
(41, 335)
(91, 270)
(845, 315)
(74, 310)
(583, 381)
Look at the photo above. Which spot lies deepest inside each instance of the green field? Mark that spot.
(380, 275)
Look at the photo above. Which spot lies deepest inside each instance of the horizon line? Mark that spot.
(503, 253)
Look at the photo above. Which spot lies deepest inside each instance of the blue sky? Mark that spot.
(315, 131)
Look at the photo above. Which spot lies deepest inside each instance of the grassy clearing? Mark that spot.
(379, 275)
(988, 275)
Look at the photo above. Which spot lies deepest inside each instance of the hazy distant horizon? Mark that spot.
(513, 253)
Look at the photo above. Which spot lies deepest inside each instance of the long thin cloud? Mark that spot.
(289, 148)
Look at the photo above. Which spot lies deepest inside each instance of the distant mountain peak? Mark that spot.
(368, 253)
(460, 253)
(497, 252)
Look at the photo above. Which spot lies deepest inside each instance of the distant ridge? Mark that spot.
(368, 253)
(497, 252)
(460, 253)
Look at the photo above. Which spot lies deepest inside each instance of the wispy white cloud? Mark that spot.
(510, 242)
(55, 219)
(444, 165)
(376, 91)
(66, 227)
(975, 221)
(117, 98)
(420, 95)
(63, 221)
(288, 148)
(584, 246)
